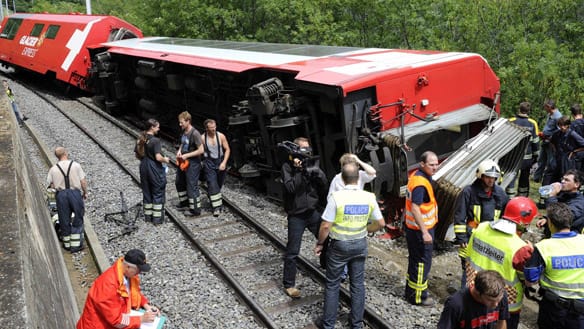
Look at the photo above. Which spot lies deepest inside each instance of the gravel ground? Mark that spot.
(181, 282)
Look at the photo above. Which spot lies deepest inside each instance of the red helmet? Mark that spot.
(520, 210)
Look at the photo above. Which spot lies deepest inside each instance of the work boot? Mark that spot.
(192, 213)
(181, 205)
(216, 212)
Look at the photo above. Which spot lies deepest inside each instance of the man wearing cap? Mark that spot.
(115, 293)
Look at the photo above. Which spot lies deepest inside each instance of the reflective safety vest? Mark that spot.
(564, 266)
(354, 208)
(490, 249)
(429, 209)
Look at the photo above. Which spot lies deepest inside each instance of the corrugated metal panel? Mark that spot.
(502, 141)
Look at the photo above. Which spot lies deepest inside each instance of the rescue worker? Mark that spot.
(568, 146)
(546, 161)
(568, 192)
(304, 195)
(493, 245)
(19, 117)
(68, 179)
(479, 202)
(482, 305)
(152, 172)
(187, 174)
(558, 265)
(115, 293)
(577, 125)
(522, 119)
(216, 155)
(345, 220)
(421, 215)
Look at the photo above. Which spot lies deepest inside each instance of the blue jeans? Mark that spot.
(296, 225)
(340, 254)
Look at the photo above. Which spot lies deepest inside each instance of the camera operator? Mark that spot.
(304, 195)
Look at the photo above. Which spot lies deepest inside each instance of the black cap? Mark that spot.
(137, 257)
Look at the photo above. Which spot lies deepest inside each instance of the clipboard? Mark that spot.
(157, 324)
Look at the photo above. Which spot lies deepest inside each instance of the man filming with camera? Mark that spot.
(305, 188)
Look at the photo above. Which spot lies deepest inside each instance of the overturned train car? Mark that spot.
(56, 46)
(387, 106)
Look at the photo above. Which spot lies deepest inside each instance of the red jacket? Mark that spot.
(108, 302)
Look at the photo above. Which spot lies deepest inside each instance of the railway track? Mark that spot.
(242, 251)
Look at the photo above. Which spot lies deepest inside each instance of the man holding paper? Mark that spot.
(115, 293)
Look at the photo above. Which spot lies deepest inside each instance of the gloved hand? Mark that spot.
(534, 292)
(533, 168)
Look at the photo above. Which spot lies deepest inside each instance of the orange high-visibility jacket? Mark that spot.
(109, 303)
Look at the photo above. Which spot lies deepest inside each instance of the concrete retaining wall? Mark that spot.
(35, 290)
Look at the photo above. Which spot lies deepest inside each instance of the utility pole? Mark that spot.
(87, 6)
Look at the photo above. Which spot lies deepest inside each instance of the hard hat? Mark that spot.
(488, 168)
(520, 210)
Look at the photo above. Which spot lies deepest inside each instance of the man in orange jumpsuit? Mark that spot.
(115, 293)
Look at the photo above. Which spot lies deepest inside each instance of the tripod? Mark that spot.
(124, 219)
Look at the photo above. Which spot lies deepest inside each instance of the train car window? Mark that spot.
(36, 30)
(9, 31)
(52, 31)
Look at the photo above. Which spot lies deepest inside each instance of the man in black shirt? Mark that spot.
(304, 192)
(482, 305)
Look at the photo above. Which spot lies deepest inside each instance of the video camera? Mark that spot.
(309, 162)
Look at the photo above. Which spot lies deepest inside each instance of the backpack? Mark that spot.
(140, 149)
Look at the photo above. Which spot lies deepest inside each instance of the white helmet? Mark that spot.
(488, 168)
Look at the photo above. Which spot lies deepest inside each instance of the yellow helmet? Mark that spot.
(488, 168)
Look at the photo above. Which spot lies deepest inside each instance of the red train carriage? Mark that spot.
(56, 45)
(387, 106)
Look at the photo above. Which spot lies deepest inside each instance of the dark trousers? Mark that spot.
(552, 316)
(189, 181)
(419, 265)
(153, 181)
(70, 202)
(215, 179)
(296, 226)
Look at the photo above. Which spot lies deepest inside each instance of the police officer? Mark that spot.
(152, 172)
(479, 202)
(421, 215)
(345, 222)
(216, 155)
(558, 265)
(522, 119)
(493, 245)
(68, 179)
(189, 156)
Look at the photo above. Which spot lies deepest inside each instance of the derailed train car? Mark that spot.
(56, 46)
(388, 106)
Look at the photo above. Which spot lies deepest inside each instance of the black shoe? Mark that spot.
(24, 118)
(191, 213)
(181, 205)
(74, 250)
